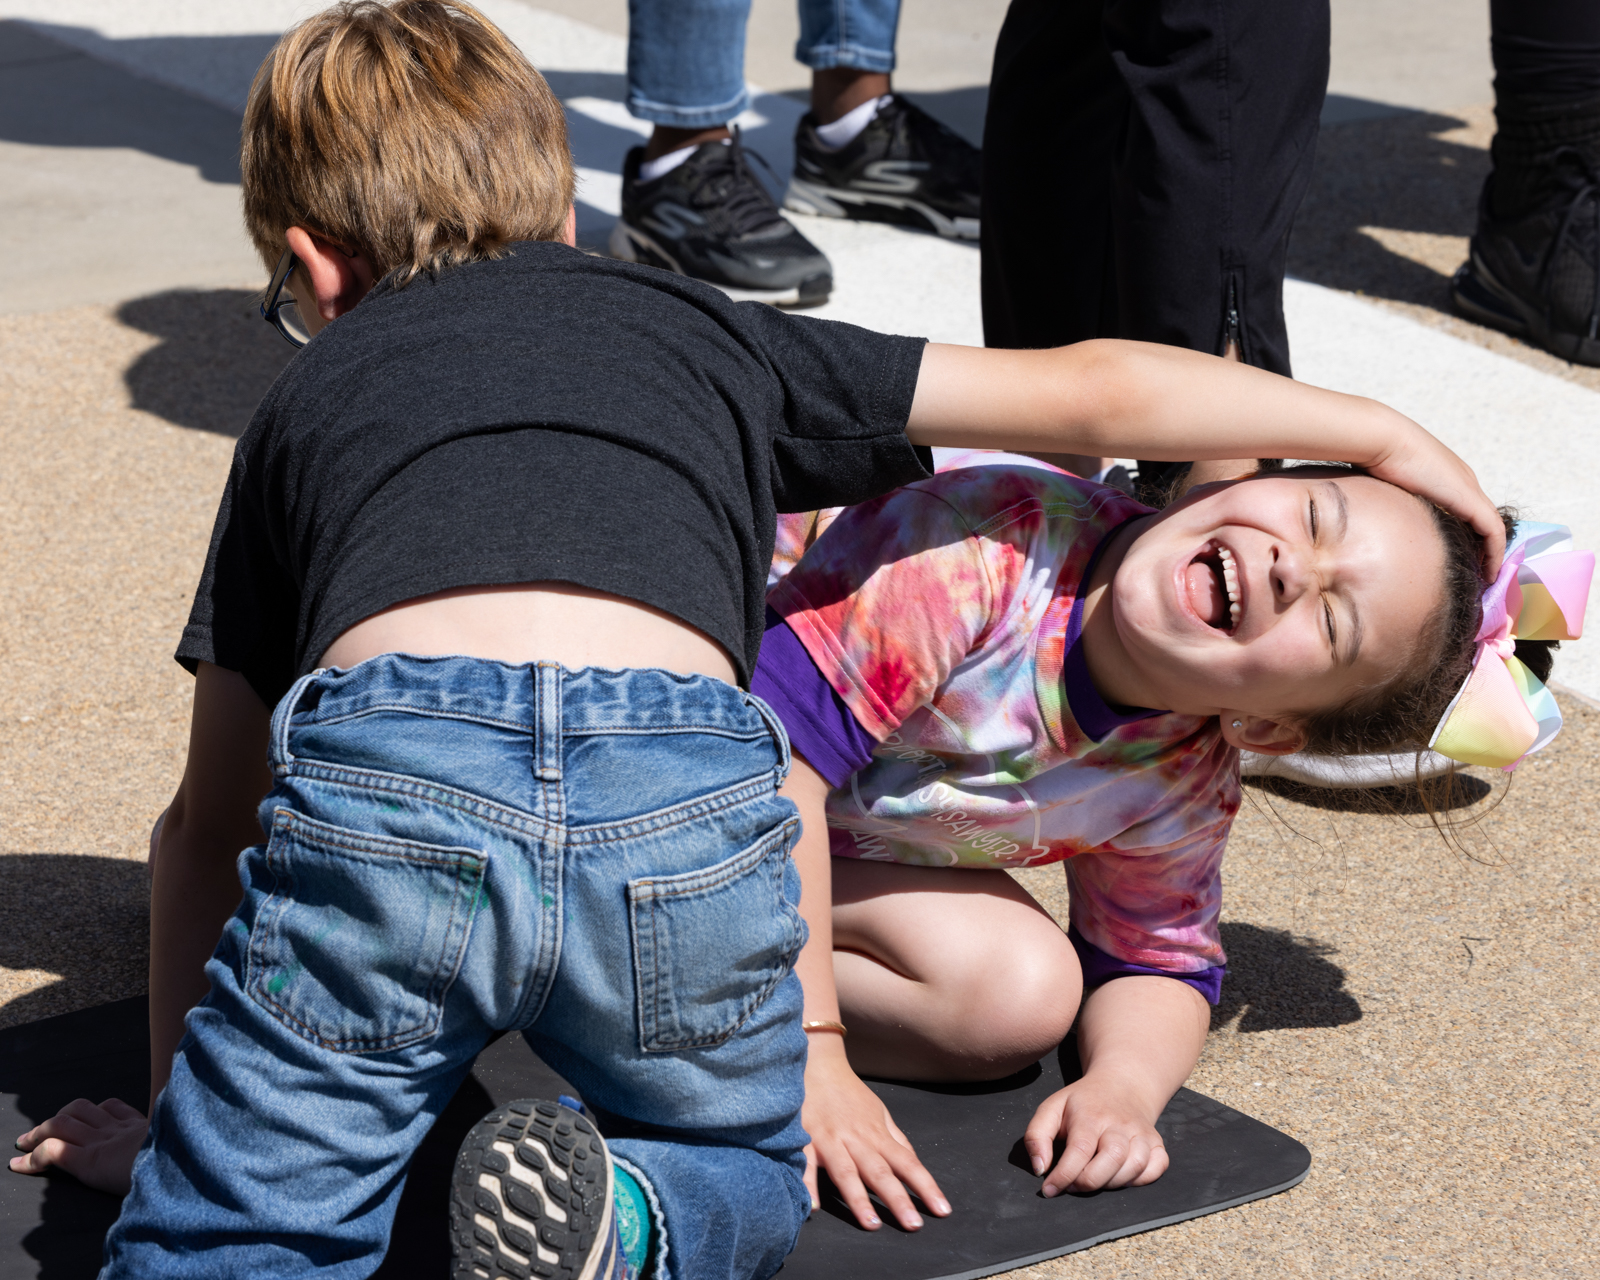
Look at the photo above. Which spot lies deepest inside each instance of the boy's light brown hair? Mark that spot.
(414, 131)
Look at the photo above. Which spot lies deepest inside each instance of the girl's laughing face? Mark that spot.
(1277, 596)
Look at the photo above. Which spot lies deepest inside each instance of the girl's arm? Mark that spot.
(853, 1136)
(1109, 397)
(195, 889)
(1138, 1040)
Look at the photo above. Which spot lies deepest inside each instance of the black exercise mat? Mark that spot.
(969, 1137)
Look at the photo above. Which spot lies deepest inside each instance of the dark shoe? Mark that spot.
(712, 219)
(1538, 276)
(904, 167)
(532, 1197)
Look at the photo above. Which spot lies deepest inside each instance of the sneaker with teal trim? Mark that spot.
(534, 1196)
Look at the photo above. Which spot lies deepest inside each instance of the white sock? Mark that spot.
(650, 170)
(843, 131)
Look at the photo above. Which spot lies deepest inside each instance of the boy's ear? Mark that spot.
(1260, 734)
(339, 277)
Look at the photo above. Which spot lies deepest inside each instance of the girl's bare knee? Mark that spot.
(1023, 1008)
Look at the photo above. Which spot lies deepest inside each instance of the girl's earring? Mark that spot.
(1238, 724)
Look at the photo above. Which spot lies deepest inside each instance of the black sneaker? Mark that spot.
(904, 167)
(712, 219)
(1538, 276)
(532, 1197)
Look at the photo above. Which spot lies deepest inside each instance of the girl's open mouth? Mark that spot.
(1212, 581)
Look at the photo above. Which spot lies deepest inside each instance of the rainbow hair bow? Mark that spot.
(1502, 712)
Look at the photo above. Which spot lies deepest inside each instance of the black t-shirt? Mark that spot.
(546, 417)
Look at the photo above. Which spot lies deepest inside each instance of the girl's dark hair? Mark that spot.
(1402, 713)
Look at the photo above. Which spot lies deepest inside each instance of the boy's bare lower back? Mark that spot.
(534, 622)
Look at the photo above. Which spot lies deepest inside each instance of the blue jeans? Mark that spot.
(686, 57)
(598, 858)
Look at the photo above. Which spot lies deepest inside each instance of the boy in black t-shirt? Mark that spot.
(494, 549)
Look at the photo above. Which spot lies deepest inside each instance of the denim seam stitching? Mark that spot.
(677, 815)
(580, 731)
(531, 1007)
(649, 104)
(288, 821)
(450, 797)
(436, 713)
(529, 824)
(757, 854)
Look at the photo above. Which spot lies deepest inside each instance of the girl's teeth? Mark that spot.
(1230, 579)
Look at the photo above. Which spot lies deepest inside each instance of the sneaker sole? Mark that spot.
(1479, 297)
(629, 244)
(862, 206)
(531, 1197)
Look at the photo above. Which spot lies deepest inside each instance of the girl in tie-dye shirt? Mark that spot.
(955, 648)
(1006, 666)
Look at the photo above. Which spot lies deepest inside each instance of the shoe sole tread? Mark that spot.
(531, 1198)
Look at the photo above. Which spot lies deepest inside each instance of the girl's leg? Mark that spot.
(947, 974)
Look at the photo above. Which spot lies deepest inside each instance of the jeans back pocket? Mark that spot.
(357, 937)
(709, 946)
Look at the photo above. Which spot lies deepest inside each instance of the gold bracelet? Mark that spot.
(821, 1024)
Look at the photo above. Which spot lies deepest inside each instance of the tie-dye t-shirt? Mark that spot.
(797, 530)
(938, 613)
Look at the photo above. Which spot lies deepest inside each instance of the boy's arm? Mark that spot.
(1138, 1040)
(852, 1134)
(1113, 398)
(195, 889)
(196, 881)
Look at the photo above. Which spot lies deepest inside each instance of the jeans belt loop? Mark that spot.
(780, 736)
(282, 760)
(547, 728)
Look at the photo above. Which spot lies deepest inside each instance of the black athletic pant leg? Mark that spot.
(1050, 140)
(1143, 161)
(1546, 48)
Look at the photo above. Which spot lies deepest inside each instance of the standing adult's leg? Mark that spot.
(1535, 264)
(1055, 118)
(686, 62)
(691, 202)
(854, 34)
(1224, 103)
(862, 152)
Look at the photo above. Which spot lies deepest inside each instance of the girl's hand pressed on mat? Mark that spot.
(1138, 1039)
(1111, 1139)
(95, 1144)
(855, 1139)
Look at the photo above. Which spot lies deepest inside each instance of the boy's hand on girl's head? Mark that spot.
(1417, 460)
(854, 1138)
(95, 1144)
(1110, 1140)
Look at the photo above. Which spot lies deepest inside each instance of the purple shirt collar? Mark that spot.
(1094, 715)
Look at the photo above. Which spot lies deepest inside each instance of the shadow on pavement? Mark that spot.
(1278, 980)
(84, 918)
(1396, 175)
(52, 95)
(216, 359)
(1436, 795)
